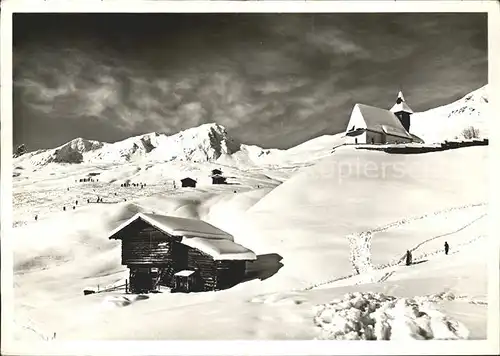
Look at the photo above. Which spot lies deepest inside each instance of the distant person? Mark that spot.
(408, 257)
(446, 247)
(88, 200)
(64, 208)
(74, 207)
(36, 217)
(76, 202)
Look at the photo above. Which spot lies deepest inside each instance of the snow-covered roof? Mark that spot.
(401, 105)
(195, 233)
(381, 120)
(184, 273)
(176, 226)
(220, 249)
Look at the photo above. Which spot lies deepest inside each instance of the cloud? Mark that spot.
(335, 42)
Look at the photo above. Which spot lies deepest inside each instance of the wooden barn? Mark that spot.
(372, 125)
(186, 255)
(188, 182)
(218, 179)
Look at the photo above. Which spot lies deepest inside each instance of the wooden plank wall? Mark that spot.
(230, 273)
(205, 267)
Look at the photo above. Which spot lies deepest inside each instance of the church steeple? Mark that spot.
(402, 111)
(400, 97)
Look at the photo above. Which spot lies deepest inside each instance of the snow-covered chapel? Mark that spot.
(372, 125)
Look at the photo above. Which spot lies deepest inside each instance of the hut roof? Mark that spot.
(188, 179)
(195, 233)
(220, 249)
(184, 273)
(176, 226)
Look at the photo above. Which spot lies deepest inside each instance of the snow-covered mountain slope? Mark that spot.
(204, 143)
(310, 216)
(448, 122)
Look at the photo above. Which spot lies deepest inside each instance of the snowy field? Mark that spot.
(330, 228)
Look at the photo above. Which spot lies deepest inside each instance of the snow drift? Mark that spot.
(376, 316)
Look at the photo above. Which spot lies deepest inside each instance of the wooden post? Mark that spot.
(98, 287)
(126, 286)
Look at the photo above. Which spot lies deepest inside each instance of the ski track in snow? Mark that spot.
(360, 246)
(376, 316)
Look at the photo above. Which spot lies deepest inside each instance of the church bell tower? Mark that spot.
(402, 111)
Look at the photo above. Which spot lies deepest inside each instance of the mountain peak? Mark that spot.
(206, 142)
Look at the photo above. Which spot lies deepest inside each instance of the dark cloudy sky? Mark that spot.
(274, 80)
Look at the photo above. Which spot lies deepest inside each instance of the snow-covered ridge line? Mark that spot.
(204, 143)
(465, 117)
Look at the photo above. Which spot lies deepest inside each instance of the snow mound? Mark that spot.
(121, 301)
(376, 316)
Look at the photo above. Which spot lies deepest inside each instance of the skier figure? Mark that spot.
(446, 247)
(408, 257)
(36, 217)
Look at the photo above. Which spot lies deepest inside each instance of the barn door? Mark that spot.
(140, 280)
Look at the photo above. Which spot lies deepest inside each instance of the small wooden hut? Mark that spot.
(218, 179)
(186, 255)
(188, 182)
